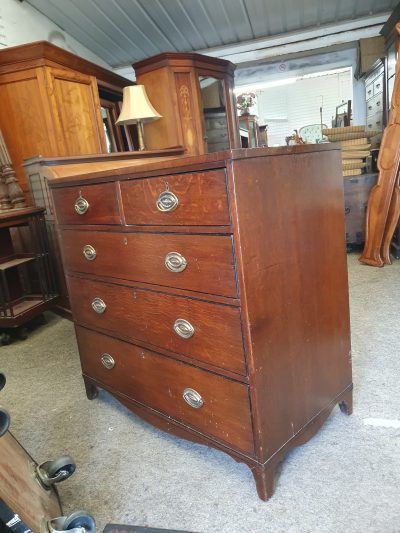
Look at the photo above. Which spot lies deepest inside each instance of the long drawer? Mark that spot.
(184, 199)
(200, 330)
(214, 405)
(201, 263)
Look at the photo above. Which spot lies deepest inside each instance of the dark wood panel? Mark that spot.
(202, 199)
(159, 382)
(150, 316)
(102, 199)
(141, 257)
(295, 286)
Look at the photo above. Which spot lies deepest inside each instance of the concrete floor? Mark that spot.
(347, 478)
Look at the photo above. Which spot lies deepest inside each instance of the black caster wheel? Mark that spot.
(2, 380)
(4, 421)
(5, 339)
(80, 519)
(56, 471)
(22, 334)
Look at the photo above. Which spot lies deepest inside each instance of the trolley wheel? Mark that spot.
(5, 338)
(80, 519)
(2, 380)
(58, 470)
(22, 334)
(4, 421)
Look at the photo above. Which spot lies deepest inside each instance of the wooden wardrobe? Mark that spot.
(53, 103)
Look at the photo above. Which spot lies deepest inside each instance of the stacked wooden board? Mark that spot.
(355, 145)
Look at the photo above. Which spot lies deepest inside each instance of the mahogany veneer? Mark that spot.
(247, 347)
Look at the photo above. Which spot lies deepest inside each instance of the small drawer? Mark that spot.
(195, 262)
(375, 105)
(203, 331)
(209, 403)
(375, 122)
(369, 90)
(378, 85)
(91, 204)
(184, 199)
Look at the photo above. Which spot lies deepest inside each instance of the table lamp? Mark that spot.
(137, 109)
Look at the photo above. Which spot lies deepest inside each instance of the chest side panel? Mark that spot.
(293, 280)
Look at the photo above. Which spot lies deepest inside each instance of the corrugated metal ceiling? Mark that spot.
(124, 31)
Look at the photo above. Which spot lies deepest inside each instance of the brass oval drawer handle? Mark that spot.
(167, 201)
(193, 398)
(183, 328)
(175, 262)
(81, 205)
(98, 305)
(107, 361)
(89, 252)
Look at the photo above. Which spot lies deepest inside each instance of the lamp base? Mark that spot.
(140, 130)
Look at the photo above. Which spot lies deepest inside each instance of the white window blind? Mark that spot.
(290, 107)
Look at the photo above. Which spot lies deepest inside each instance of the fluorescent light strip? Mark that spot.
(286, 81)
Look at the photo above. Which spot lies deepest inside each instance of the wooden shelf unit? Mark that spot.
(27, 285)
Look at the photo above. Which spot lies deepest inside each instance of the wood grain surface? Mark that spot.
(149, 316)
(103, 205)
(202, 200)
(141, 257)
(294, 282)
(159, 382)
(20, 490)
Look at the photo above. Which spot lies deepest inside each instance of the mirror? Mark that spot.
(214, 113)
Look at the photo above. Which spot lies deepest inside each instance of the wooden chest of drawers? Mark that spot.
(210, 294)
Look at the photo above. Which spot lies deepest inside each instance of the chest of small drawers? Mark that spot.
(210, 294)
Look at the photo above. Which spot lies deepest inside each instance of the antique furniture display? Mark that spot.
(194, 95)
(384, 204)
(35, 170)
(50, 103)
(249, 123)
(27, 285)
(202, 306)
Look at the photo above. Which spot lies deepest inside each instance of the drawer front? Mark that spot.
(375, 105)
(91, 204)
(153, 317)
(199, 262)
(369, 90)
(378, 85)
(217, 406)
(185, 199)
(375, 122)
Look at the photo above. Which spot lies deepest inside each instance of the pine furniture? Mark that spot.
(210, 294)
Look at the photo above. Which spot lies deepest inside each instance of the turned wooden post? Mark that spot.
(11, 194)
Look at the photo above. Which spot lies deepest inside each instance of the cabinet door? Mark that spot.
(76, 111)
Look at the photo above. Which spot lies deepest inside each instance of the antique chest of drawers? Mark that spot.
(210, 294)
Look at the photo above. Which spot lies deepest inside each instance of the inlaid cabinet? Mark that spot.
(207, 297)
(194, 95)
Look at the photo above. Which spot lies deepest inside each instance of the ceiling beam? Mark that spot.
(300, 41)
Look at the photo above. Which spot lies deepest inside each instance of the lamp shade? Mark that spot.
(136, 106)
